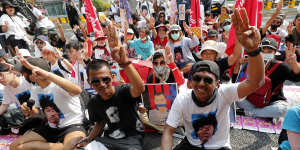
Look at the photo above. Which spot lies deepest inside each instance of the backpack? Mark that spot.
(261, 97)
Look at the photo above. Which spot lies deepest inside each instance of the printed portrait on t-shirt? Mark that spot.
(23, 96)
(50, 109)
(205, 125)
(178, 54)
(158, 99)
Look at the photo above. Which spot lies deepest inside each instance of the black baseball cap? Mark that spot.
(205, 65)
(269, 42)
(38, 62)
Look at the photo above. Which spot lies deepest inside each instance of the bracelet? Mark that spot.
(254, 53)
(125, 64)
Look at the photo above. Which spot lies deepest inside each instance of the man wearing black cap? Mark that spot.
(279, 73)
(62, 129)
(211, 101)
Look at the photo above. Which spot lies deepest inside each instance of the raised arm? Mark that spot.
(119, 55)
(234, 57)
(269, 22)
(250, 38)
(60, 30)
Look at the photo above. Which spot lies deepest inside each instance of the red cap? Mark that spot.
(100, 35)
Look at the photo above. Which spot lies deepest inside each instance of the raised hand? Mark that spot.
(169, 56)
(119, 55)
(152, 22)
(291, 57)
(186, 28)
(290, 28)
(113, 38)
(247, 35)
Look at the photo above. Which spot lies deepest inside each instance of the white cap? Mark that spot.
(130, 31)
(24, 53)
(209, 45)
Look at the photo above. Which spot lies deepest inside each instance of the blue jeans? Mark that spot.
(273, 110)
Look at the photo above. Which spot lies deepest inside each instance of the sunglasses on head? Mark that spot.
(207, 80)
(159, 63)
(105, 80)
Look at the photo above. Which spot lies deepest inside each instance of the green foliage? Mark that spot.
(100, 5)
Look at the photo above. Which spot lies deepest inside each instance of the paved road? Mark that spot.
(240, 140)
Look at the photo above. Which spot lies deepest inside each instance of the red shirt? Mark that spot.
(159, 43)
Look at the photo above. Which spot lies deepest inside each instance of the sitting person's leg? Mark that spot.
(32, 140)
(273, 110)
(72, 138)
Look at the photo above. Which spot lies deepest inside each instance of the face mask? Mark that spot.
(175, 36)
(274, 27)
(144, 39)
(227, 28)
(161, 37)
(268, 56)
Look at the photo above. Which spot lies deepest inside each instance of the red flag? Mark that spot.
(195, 13)
(93, 24)
(254, 11)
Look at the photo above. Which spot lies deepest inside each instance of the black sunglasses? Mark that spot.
(8, 7)
(105, 80)
(159, 63)
(39, 42)
(207, 80)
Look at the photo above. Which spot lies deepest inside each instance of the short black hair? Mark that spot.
(209, 120)
(75, 44)
(46, 101)
(96, 64)
(157, 55)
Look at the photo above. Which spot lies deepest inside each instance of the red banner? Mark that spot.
(254, 11)
(195, 14)
(93, 24)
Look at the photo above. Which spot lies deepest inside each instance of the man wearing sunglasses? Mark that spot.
(209, 100)
(114, 105)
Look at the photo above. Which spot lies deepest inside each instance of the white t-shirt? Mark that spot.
(67, 108)
(186, 44)
(45, 22)
(185, 108)
(15, 27)
(13, 95)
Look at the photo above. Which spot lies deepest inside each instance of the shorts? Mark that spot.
(54, 135)
(185, 145)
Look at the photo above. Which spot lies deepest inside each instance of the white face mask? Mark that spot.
(268, 56)
(144, 39)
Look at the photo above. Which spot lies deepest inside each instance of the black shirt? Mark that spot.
(119, 111)
(278, 76)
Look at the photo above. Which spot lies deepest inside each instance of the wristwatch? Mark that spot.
(254, 53)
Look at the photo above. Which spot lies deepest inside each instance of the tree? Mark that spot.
(100, 5)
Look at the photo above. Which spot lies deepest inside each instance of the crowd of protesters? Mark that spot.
(69, 91)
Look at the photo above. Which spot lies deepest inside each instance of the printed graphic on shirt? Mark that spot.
(113, 116)
(178, 54)
(158, 99)
(204, 123)
(23, 96)
(50, 109)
